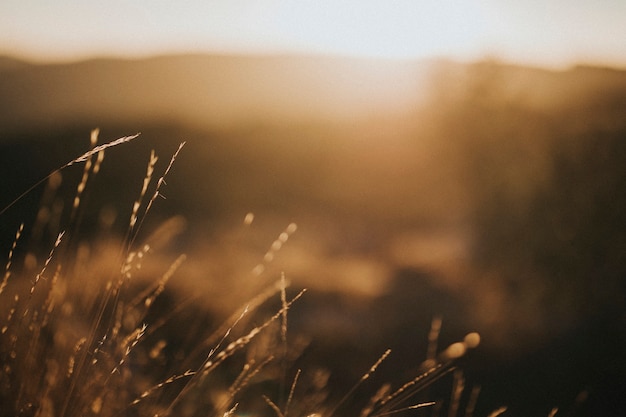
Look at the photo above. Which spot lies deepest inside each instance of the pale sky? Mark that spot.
(538, 32)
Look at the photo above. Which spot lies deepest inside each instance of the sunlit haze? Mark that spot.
(553, 33)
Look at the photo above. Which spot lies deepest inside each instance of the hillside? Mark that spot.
(207, 91)
(218, 91)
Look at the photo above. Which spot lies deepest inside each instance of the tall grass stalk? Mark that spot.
(77, 339)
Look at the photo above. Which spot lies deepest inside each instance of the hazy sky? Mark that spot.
(546, 32)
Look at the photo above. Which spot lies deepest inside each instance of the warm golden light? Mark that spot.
(557, 33)
(400, 29)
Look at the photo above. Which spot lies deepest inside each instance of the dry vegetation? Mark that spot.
(492, 195)
(83, 331)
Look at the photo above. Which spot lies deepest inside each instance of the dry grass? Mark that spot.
(82, 335)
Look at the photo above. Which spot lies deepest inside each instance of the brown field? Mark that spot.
(485, 195)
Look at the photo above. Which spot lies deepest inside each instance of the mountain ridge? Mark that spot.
(212, 91)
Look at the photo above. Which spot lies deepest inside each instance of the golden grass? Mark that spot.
(83, 336)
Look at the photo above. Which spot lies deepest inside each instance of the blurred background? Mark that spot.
(463, 160)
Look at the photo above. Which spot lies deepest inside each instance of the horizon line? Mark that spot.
(68, 59)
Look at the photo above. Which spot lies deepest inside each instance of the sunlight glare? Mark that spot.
(553, 33)
(398, 29)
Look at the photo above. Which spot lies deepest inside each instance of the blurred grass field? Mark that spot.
(492, 199)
